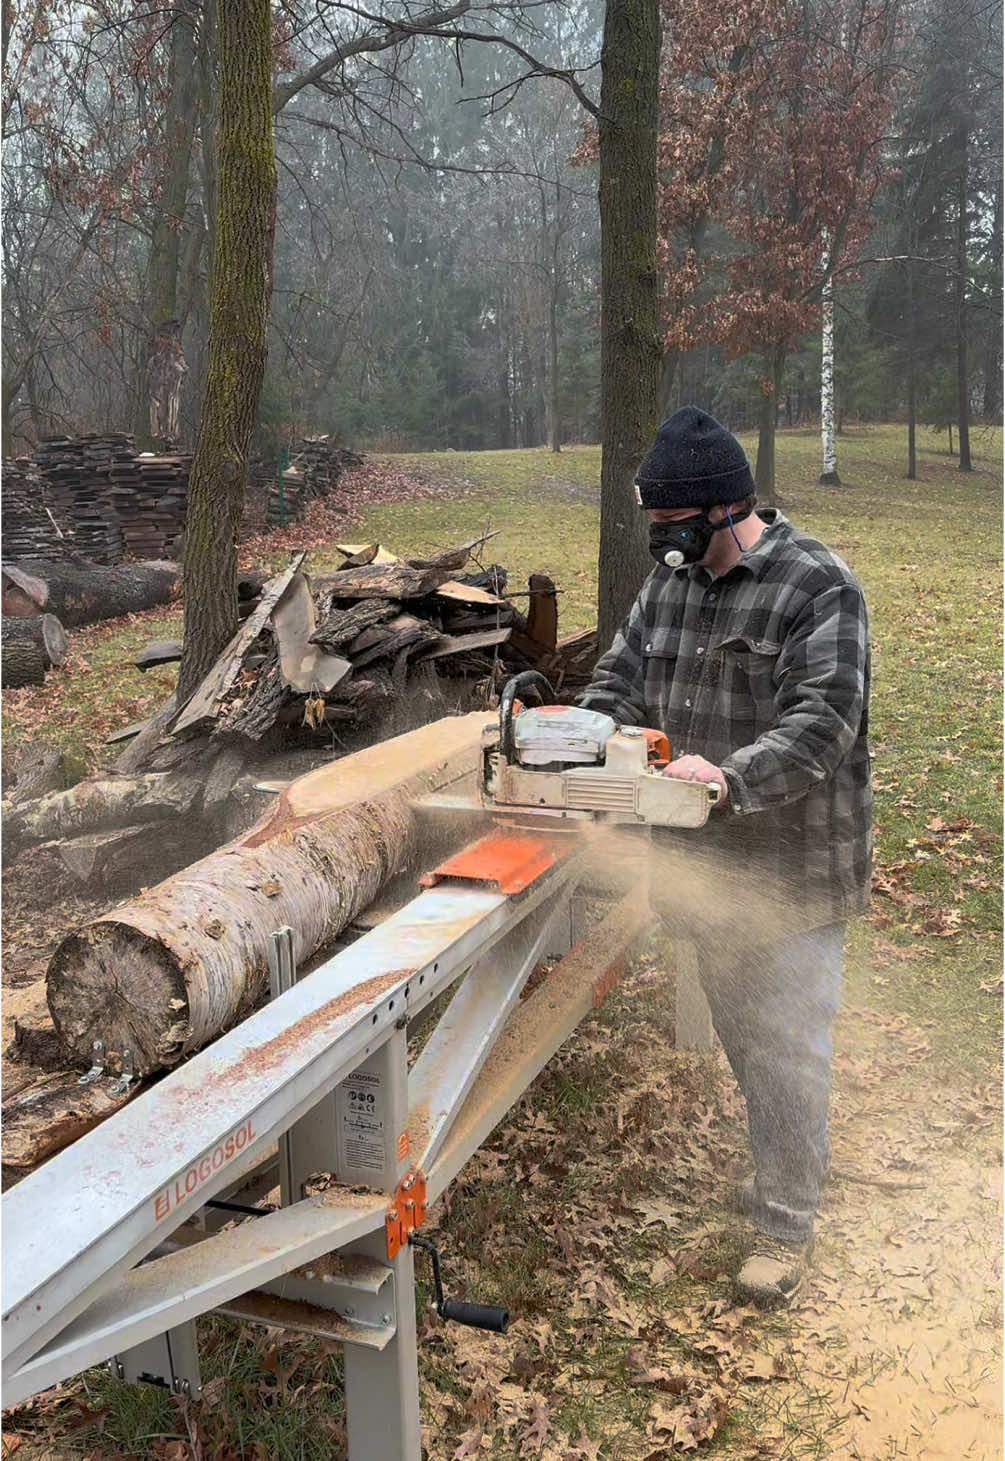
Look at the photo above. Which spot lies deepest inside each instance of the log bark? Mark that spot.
(169, 971)
(94, 805)
(35, 1040)
(84, 593)
(45, 1117)
(29, 648)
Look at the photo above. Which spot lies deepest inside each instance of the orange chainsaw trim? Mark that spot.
(510, 861)
(407, 1211)
(659, 746)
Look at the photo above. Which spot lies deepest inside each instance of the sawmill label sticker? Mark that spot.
(200, 1172)
(360, 1112)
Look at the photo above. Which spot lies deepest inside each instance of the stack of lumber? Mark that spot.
(149, 496)
(286, 500)
(76, 473)
(29, 525)
(315, 471)
(94, 498)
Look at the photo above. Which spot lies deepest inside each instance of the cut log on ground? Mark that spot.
(45, 1117)
(85, 593)
(94, 805)
(29, 648)
(124, 858)
(32, 771)
(166, 973)
(36, 1042)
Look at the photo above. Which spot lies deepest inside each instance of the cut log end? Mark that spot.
(112, 983)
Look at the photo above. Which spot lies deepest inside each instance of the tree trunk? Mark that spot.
(668, 373)
(912, 372)
(239, 312)
(166, 973)
(87, 593)
(630, 352)
(554, 400)
(764, 471)
(993, 348)
(829, 476)
(30, 647)
(912, 419)
(157, 403)
(962, 276)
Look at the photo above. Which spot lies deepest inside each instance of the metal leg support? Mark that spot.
(381, 1386)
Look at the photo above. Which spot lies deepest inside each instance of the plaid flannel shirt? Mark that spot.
(764, 671)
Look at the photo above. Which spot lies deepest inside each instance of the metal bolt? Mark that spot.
(385, 1318)
(350, 1312)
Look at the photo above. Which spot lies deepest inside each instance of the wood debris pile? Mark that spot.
(341, 649)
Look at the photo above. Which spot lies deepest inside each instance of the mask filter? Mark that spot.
(687, 541)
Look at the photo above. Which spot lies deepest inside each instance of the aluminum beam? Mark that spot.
(117, 1192)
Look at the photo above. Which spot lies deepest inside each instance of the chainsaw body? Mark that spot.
(564, 761)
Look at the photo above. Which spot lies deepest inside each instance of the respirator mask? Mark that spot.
(687, 541)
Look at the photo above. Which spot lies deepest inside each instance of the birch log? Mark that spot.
(164, 974)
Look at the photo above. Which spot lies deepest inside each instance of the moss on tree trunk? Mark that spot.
(239, 311)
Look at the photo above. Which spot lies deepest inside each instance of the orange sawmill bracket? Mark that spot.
(407, 1211)
(510, 861)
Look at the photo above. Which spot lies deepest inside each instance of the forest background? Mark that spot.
(437, 249)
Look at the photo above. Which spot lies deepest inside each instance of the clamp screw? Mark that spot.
(385, 1318)
(350, 1312)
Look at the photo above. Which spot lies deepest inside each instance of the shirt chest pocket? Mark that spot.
(661, 651)
(748, 674)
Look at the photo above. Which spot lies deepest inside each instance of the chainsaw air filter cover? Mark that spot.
(561, 733)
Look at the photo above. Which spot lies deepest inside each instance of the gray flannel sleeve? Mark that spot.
(617, 683)
(821, 675)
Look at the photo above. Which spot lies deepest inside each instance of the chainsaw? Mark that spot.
(565, 761)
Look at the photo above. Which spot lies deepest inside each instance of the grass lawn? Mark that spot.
(623, 1330)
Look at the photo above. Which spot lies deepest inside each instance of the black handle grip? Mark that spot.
(526, 680)
(476, 1316)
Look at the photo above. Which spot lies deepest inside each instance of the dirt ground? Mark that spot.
(895, 1347)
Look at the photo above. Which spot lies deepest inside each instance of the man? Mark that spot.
(748, 646)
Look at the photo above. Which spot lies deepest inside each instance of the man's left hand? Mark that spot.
(696, 768)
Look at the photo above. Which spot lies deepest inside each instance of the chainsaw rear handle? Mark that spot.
(528, 679)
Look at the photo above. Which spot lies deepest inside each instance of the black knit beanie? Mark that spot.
(695, 462)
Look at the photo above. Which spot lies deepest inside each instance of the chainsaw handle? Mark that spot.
(528, 679)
